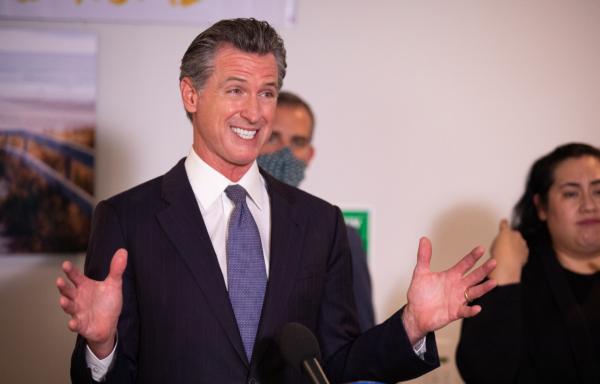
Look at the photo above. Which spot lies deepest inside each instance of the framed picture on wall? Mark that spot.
(47, 129)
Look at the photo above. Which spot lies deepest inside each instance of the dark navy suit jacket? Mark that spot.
(177, 324)
(361, 281)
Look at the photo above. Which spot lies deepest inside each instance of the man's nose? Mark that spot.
(251, 110)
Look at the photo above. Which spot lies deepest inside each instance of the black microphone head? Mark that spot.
(297, 344)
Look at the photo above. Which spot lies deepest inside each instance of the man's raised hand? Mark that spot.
(94, 306)
(435, 299)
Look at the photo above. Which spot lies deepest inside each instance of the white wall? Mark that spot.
(429, 112)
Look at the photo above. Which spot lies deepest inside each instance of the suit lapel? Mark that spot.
(183, 224)
(287, 233)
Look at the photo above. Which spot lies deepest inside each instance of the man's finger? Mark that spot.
(468, 261)
(467, 311)
(477, 291)
(117, 265)
(73, 325)
(504, 224)
(480, 273)
(423, 254)
(67, 305)
(65, 288)
(73, 273)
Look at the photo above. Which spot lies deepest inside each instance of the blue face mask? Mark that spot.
(283, 166)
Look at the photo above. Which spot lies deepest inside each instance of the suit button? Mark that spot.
(252, 380)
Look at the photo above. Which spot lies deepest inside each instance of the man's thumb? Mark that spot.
(118, 264)
(424, 254)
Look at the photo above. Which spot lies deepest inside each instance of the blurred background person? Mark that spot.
(285, 156)
(542, 323)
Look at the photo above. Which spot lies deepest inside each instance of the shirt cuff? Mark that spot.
(99, 367)
(420, 348)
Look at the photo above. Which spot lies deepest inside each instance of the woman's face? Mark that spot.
(573, 209)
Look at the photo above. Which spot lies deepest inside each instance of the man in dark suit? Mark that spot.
(165, 308)
(285, 156)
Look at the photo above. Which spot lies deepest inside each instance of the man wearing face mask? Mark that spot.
(286, 156)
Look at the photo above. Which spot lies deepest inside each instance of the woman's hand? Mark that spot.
(510, 251)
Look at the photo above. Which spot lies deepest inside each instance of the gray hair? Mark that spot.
(248, 35)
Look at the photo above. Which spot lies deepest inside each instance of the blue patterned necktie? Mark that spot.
(246, 274)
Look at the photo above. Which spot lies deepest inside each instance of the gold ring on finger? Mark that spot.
(467, 298)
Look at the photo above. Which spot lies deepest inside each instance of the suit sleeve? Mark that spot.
(383, 353)
(361, 281)
(490, 348)
(108, 236)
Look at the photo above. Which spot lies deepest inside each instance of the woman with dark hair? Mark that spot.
(542, 323)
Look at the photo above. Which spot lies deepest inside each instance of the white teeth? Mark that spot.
(243, 133)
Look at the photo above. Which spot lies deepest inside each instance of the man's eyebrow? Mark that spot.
(272, 84)
(241, 79)
(303, 137)
(595, 182)
(235, 78)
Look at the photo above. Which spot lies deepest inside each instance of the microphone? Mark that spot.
(301, 350)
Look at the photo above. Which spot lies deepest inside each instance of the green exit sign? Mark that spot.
(359, 219)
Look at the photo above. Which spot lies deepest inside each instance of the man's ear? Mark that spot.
(189, 94)
(541, 210)
(311, 154)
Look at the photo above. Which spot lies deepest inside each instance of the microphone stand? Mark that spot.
(314, 371)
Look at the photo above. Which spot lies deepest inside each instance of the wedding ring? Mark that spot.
(467, 298)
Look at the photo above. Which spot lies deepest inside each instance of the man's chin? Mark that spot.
(242, 161)
(244, 157)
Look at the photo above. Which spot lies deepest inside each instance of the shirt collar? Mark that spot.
(208, 184)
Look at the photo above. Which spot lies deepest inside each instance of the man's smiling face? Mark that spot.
(233, 112)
